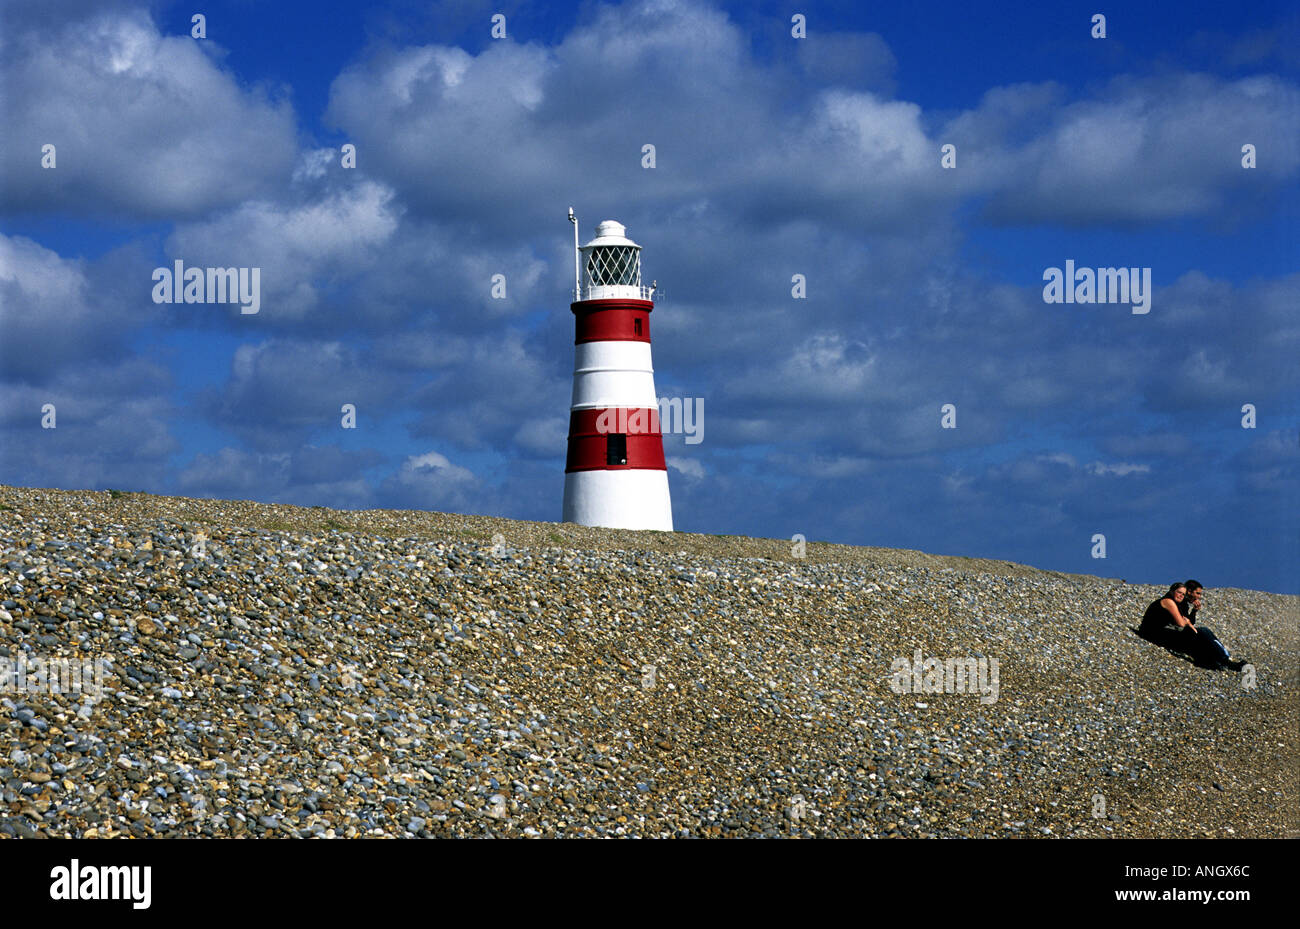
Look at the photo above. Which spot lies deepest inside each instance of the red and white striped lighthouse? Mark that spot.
(615, 475)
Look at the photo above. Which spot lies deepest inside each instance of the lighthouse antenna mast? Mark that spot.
(577, 274)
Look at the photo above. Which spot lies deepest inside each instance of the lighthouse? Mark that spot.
(615, 475)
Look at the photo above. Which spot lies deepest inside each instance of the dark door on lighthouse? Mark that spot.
(616, 449)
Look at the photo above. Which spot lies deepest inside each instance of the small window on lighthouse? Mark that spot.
(636, 326)
(616, 449)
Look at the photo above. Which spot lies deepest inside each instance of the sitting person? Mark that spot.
(1189, 606)
(1167, 622)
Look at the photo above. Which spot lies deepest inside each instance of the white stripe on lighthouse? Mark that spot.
(630, 499)
(610, 374)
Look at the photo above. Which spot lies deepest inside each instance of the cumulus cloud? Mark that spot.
(111, 428)
(144, 125)
(545, 436)
(45, 308)
(1145, 150)
(280, 391)
(299, 248)
(534, 131)
(59, 314)
(487, 389)
(234, 473)
(306, 476)
(688, 467)
(430, 481)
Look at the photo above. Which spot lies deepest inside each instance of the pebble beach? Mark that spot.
(299, 672)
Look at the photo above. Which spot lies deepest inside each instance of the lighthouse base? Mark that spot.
(626, 499)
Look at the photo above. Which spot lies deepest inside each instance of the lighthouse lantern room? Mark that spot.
(615, 475)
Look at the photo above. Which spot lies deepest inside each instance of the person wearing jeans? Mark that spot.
(1214, 650)
(1170, 623)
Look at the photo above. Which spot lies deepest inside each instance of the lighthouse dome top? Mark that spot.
(612, 265)
(610, 232)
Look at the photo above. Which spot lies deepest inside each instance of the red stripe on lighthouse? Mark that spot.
(612, 320)
(627, 420)
(590, 433)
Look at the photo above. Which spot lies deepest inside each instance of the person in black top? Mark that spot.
(1168, 622)
(1163, 614)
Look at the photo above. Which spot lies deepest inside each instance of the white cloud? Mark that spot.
(432, 464)
(236, 473)
(822, 367)
(315, 164)
(430, 481)
(281, 390)
(1120, 469)
(689, 467)
(59, 314)
(143, 124)
(1142, 150)
(299, 247)
(543, 435)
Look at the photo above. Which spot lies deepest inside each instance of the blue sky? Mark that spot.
(775, 156)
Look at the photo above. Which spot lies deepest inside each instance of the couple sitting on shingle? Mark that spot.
(1171, 621)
